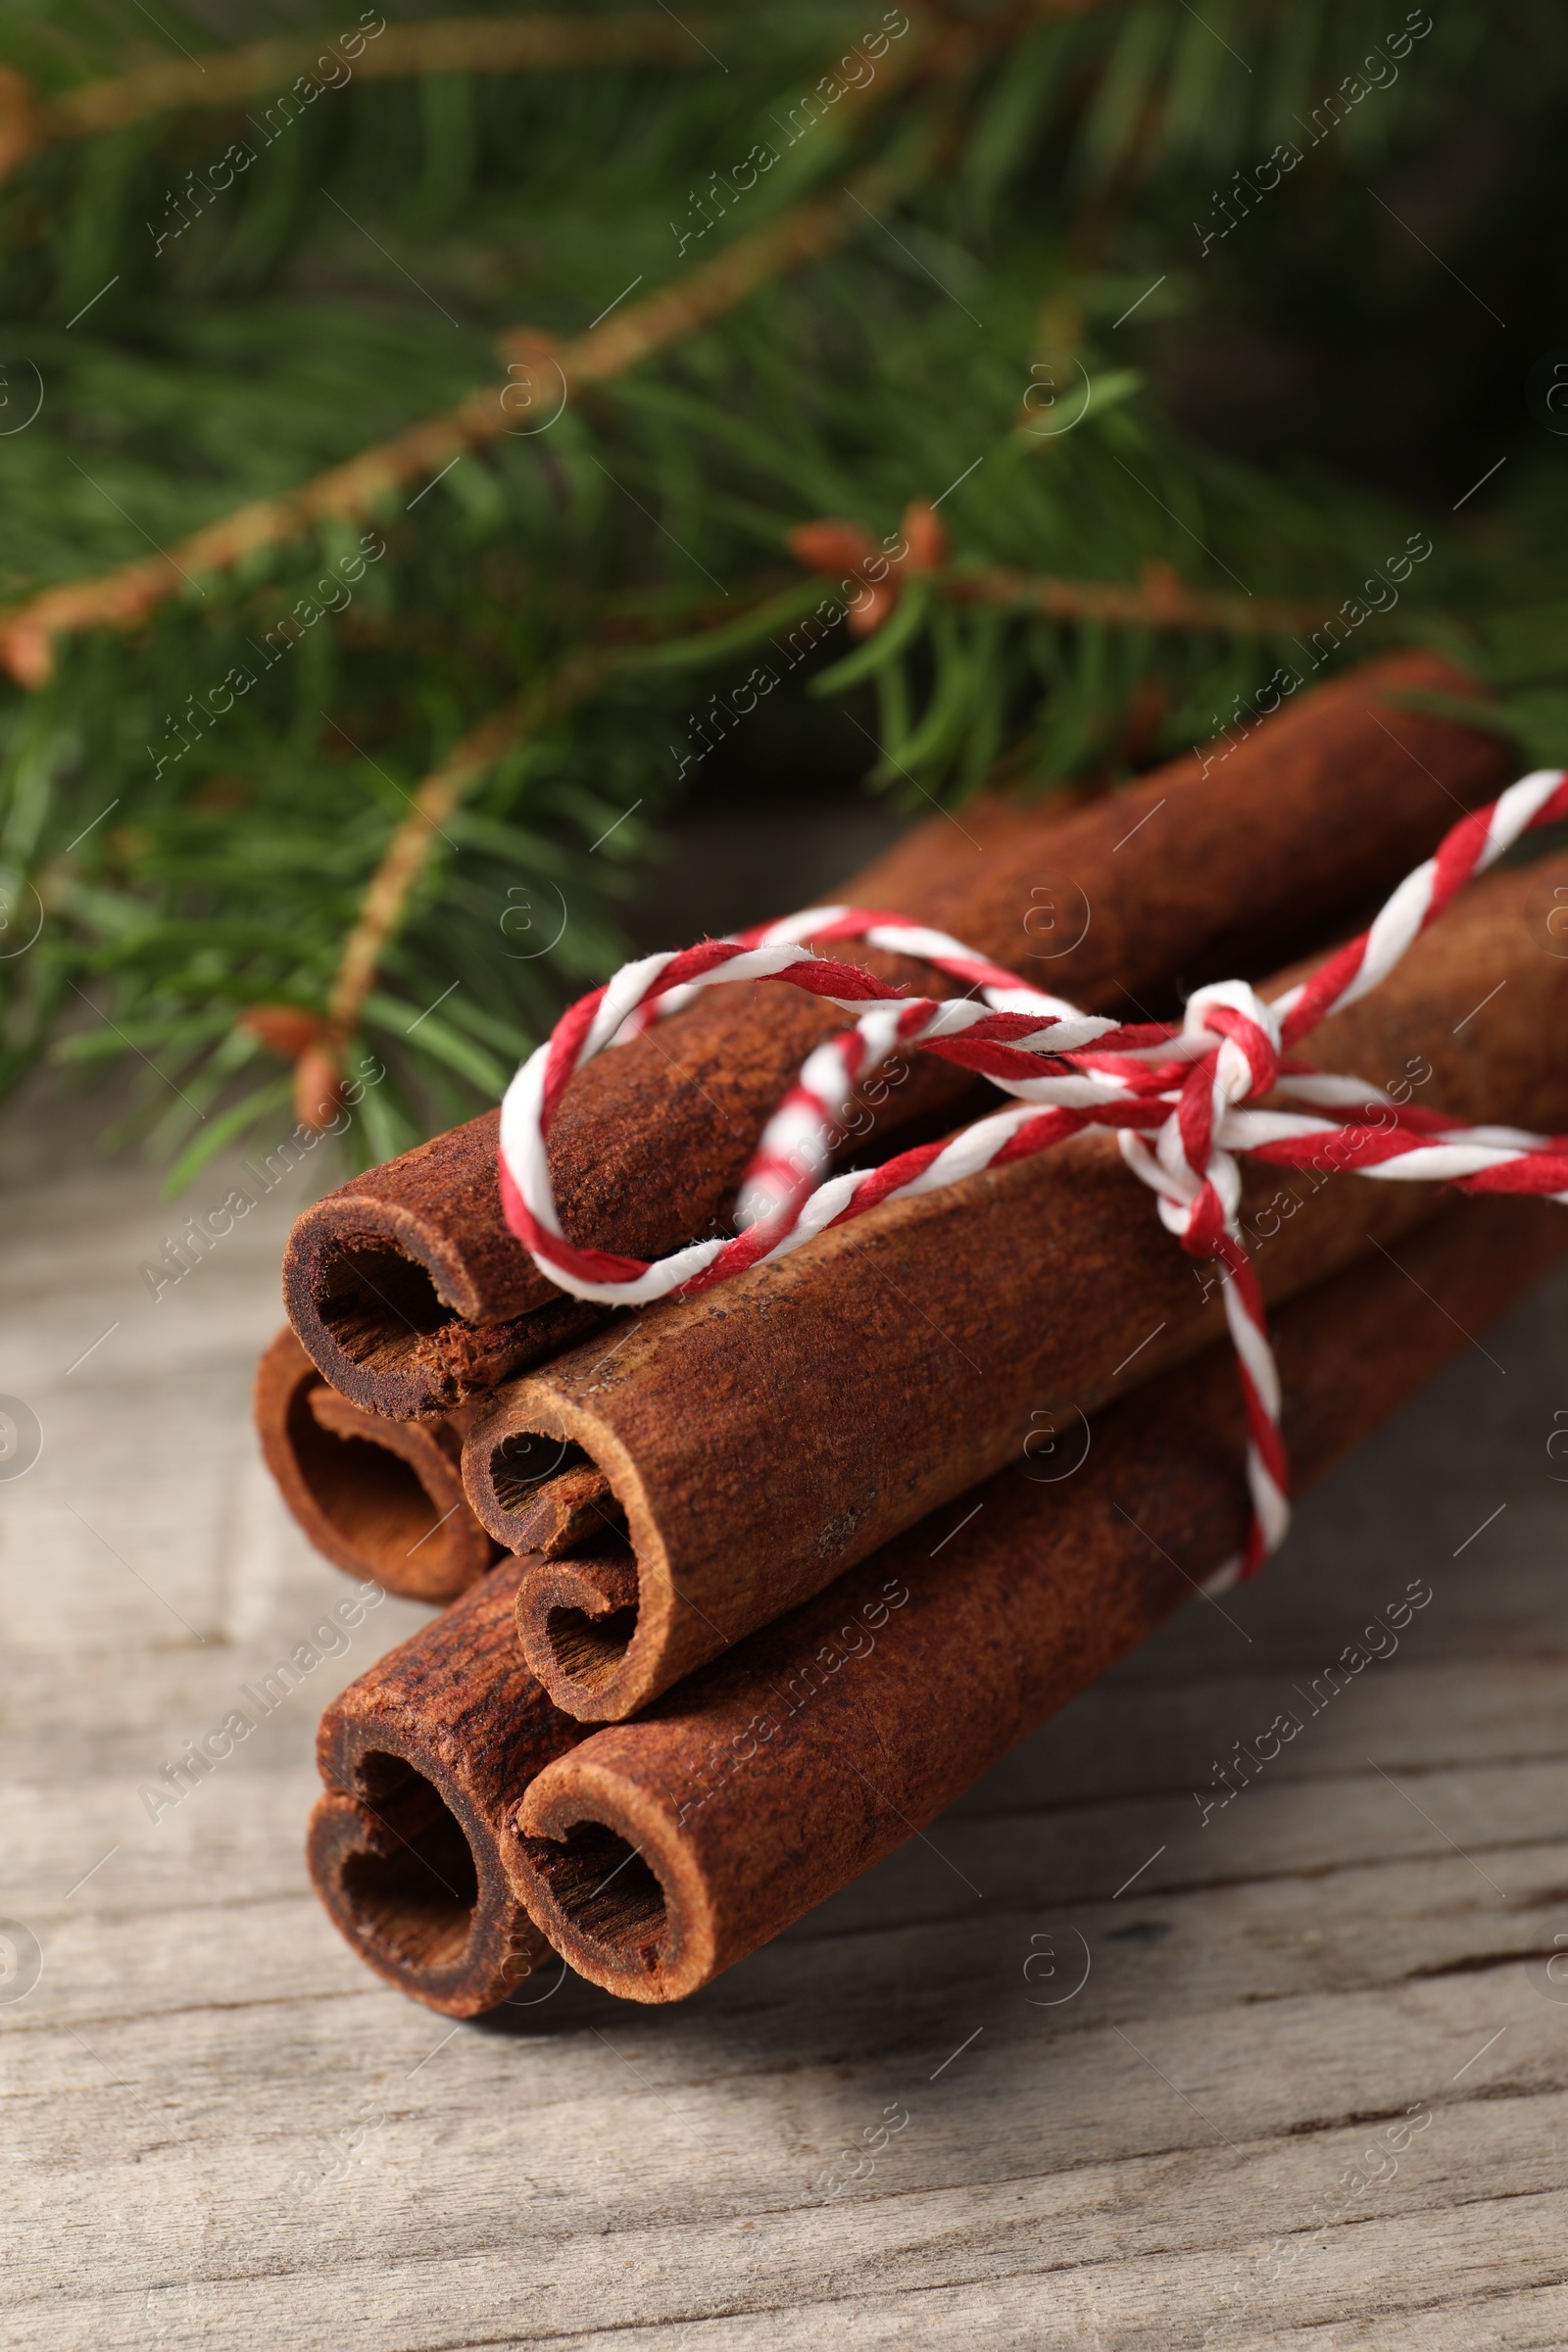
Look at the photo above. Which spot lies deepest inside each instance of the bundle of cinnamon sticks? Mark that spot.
(717, 1568)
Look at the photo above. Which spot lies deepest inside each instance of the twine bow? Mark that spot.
(1198, 1183)
(1185, 1101)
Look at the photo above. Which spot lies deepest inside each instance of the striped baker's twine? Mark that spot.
(1182, 1098)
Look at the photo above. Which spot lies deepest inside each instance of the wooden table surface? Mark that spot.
(1296, 2076)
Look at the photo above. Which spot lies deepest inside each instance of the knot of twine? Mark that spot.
(1182, 1097)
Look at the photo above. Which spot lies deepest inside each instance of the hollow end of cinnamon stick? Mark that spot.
(589, 1620)
(581, 1613)
(424, 1759)
(398, 1878)
(614, 1885)
(407, 1291)
(379, 1498)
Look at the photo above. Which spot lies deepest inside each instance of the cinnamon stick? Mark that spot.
(409, 1292)
(424, 1759)
(766, 1436)
(379, 1498)
(658, 1853)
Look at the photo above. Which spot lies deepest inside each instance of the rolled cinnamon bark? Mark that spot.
(424, 1759)
(409, 1292)
(378, 1497)
(760, 1440)
(774, 1776)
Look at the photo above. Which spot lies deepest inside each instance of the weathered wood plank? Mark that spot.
(224, 2133)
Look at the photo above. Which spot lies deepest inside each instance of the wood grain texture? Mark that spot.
(224, 2133)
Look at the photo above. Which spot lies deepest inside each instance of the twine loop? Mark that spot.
(1187, 1101)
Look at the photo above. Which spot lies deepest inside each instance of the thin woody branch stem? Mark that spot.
(403, 859)
(121, 598)
(437, 799)
(1160, 601)
(31, 122)
(126, 596)
(692, 302)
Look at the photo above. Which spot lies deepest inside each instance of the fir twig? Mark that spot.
(31, 120)
(1161, 600)
(434, 804)
(122, 598)
(387, 891)
(200, 851)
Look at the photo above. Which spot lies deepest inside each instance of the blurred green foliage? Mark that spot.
(1033, 327)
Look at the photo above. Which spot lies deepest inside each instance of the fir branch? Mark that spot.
(196, 854)
(127, 595)
(1161, 600)
(433, 806)
(387, 893)
(31, 119)
(939, 52)
(680, 309)
(31, 122)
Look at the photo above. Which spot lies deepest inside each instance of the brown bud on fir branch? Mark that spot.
(845, 549)
(315, 1051)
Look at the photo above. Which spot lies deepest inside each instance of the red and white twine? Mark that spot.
(1182, 1098)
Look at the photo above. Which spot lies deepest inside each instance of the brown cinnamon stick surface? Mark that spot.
(409, 1292)
(424, 1759)
(764, 1437)
(379, 1498)
(661, 1851)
